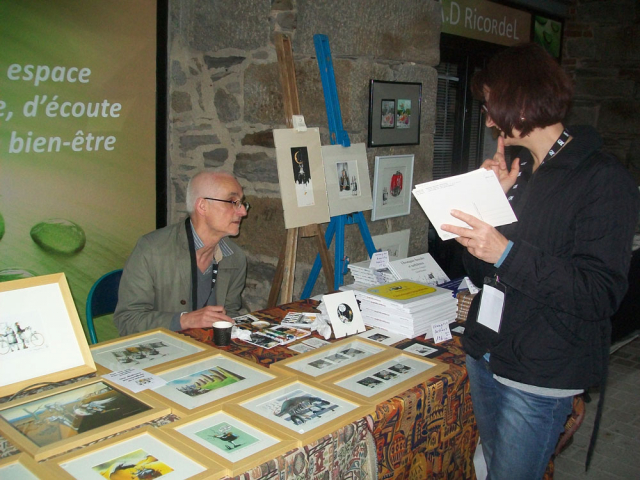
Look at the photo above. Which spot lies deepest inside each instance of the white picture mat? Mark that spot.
(175, 349)
(343, 300)
(44, 306)
(269, 404)
(264, 440)
(252, 377)
(383, 337)
(16, 471)
(385, 168)
(345, 204)
(306, 365)
(417, 368)
(82, 468)
(396, 243)
(295, 216)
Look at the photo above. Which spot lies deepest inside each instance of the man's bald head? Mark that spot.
(204, 184)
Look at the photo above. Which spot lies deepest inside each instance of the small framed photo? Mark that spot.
(329, 360)
(419, 348)
(195, 385)
(347, 175)
(392, 184)
(344, 313)
(55, 421)
(396, 243)
(383, 378)
(146, 350)
(384, 337)
(41, 338)
(142, 453)
(22, 467)
(303, 410)
(236, 444)
(394, 113)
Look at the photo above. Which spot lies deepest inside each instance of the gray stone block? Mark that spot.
(180, 102)
(227, 106)
(263, 95)
(215, 158)
(256, 167)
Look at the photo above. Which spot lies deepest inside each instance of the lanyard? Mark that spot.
(557, 146)
(194, 268)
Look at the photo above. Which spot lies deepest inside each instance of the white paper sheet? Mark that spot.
(477, 193)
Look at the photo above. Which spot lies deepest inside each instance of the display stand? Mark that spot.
(338, 136)
(285, 271)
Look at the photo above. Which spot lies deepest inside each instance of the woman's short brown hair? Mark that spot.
(527, 89)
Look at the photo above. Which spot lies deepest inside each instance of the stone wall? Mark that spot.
(602, 51)
(225, 99)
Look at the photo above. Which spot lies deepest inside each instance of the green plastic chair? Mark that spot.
(102, 300)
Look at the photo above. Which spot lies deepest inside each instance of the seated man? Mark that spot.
(188, 275)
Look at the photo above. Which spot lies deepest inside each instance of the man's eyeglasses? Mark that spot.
(237, 204)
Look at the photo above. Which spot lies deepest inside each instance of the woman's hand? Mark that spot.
(481, 240)
(499, 166)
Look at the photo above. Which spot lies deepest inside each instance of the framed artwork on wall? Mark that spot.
(41, 338)
(58, 420)
(347, 175)
(392, 184)
(394, 113)
(142, 453)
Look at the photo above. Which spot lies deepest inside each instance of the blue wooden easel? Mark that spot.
(338, 136)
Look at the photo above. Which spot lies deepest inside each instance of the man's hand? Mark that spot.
(204, 317)
(499, 166)
(482, 240)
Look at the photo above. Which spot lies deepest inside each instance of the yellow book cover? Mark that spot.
(402, 290)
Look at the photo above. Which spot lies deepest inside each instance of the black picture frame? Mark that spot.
(404, 128)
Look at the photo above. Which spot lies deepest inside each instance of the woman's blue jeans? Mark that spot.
(518, 430)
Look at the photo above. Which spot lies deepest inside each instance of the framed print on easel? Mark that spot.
(394, 113)
(392, 184)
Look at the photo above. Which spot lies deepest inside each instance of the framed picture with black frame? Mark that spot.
(394, 113)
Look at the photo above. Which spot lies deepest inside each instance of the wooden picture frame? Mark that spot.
(386, 376)
(304, 410)
(346, 171)
(24, 467)
(392, 185)
(301, 175)
(317, 365)
(142, 350)
(234, 375)
(236, 444)
(406, 99)
(80, 412)
(146, 448)
(41, 337)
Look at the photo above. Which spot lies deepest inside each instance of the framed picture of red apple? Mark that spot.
(392, 184)
(394, 113)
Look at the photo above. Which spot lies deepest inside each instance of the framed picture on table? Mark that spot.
(394, 113)
(55, 421)
(147, 350)
(41, 338)
(22, 467)
(303, 410)
(386, 376)
(236, 444)
(392, 184)
(142, 453)
(330, 360)
(195, 385)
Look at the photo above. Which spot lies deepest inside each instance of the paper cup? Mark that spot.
(222, 333)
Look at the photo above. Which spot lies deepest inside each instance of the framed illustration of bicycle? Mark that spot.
(41, 337)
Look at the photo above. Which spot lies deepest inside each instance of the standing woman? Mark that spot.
(561, 269)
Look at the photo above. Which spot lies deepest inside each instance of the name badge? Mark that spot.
(491, 304)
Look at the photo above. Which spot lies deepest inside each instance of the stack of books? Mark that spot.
(405, 307)
(365, 275)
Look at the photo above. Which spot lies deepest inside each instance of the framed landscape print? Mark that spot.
(22, 467)
(301, 176)
(392, 184)
(195, 385)
(394, 113)
(235, 444)
(303, 410)
(383, 378)
(330, 360)
(41, 338)
(57, 420)
(146, 350)
(143, 453)
(347, 175)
